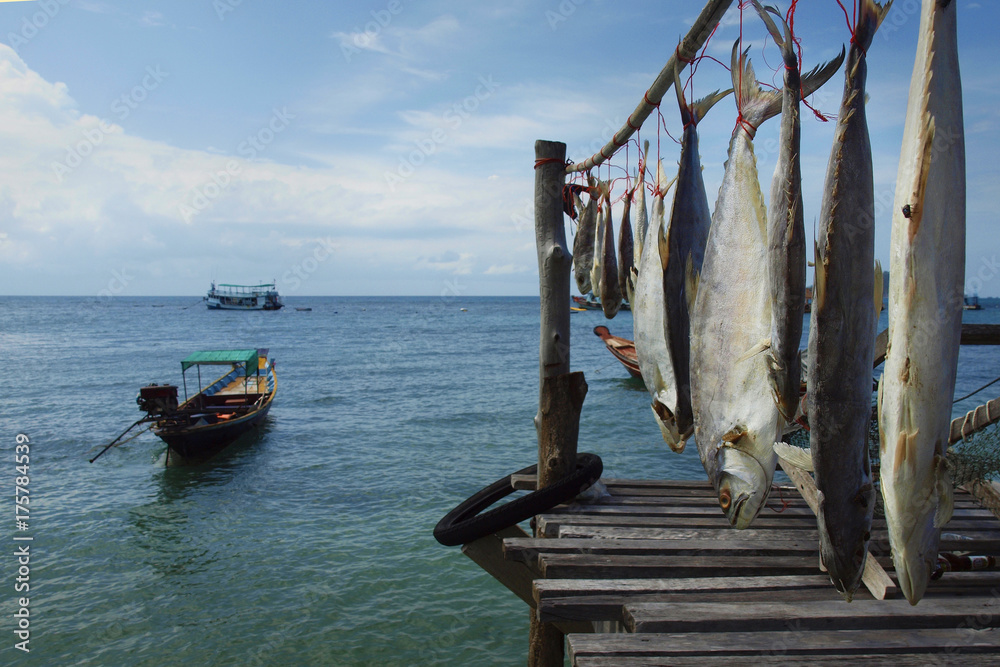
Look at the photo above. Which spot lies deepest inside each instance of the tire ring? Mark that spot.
(465, 524)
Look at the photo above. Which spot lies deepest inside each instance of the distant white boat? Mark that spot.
(244, 297)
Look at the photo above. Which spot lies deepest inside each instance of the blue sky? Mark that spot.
(384, 148)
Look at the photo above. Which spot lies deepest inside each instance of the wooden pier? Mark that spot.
(653, 574)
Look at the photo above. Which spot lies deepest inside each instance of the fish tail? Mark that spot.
(783, 40)
(820, 74)
(754, 104)
(869, 19)
(691, 114)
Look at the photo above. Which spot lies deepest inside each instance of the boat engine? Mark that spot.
(157, 399)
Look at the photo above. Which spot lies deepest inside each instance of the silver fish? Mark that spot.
(641, 216)
(611, 292)
(596, 271)
(690, 221)
(842, 328)
(735, 418)
(583, 242)
(786, 242)
(926, 278)
(626, 247)
(648, 319)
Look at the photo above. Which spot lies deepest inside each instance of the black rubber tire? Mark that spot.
(465, 524)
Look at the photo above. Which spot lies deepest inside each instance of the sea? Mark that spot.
(310, 542)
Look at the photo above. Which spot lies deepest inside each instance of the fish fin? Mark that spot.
(869, 19)
(754, 104)
(663, 241)
(797, 456)
(700, 107)
(690, 282)
(784, 41)
(763, 345)
(925, 136)
(819, 279)
(820, 74)
(879, 287)
(906, 446)
(945, 496)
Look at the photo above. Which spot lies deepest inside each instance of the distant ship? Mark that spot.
(972, 302)
(244, 297)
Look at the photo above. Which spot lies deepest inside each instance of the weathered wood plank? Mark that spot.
(950, 643)
(604, 599)
(638, 532)
(487, 553)
(568, 566)
(526, 550)
(775, 660)
(810, 615)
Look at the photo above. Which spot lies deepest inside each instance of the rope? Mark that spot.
(989, 384)
(550, 160)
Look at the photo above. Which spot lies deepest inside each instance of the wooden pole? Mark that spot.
(561, 393)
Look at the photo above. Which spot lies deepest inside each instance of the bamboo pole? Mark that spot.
(696, 37)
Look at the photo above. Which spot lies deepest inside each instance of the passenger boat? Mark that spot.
(622, 348)
(232, 404)
(244, 297)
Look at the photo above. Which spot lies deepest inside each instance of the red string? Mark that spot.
(851, 24)
(550, 160)
(784, 503)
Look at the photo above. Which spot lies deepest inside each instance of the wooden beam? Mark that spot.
(874, 577)
(487, 553)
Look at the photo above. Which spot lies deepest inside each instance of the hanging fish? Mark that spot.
(735, 418)
(611, 292)
(648, 319)
(626, 247)
(786, 238)
(690, 221)
(600, 224)
(641, 217)
(843, 326)
(926, 278)
(583, 242)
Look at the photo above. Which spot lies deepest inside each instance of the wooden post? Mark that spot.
(561, 393)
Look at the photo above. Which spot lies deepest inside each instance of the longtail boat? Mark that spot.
(232, 404)
(622, 348)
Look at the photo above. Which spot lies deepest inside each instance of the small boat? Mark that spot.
(972, 302)
(203, 425)
(622, 348)
(244, 297)
(304, 310)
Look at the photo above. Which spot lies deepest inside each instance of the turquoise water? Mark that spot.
(310, 544)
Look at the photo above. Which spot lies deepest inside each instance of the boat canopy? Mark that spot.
(220, 357)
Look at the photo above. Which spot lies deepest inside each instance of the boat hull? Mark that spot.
(192, 444)
(622, 349)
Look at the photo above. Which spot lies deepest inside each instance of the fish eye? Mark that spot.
(725, 499)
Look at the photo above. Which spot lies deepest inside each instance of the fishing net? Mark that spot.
(973, 457)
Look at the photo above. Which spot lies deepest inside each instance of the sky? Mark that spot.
(387, 147)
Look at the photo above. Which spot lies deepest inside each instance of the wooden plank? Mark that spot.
(527, 550)
(874, 576)
(663, 510)
(638, 532)
(568, 566)
(604, 599)
(952, 644)
(988, 493)
(980, 334)
(487, 553)
(772, 659)
(810, 615)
